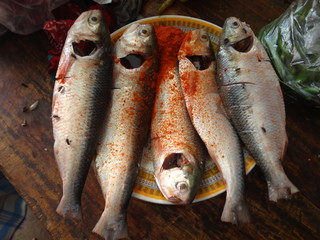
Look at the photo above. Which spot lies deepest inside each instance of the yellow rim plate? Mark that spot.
(146, 188)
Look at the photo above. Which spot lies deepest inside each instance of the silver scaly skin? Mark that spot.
(208, 116)
(78, 105)
(252, 97)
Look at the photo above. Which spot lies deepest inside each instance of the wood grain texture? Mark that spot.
(26, 154)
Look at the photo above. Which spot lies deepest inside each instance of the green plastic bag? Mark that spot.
(293, 44)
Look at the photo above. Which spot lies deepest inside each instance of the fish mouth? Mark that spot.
(243, 45)
(174, 200)
(174, 160)
(132, 61)
(200, 62)
(174, 178)
(84, 48)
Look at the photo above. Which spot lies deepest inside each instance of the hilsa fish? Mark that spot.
(177, 150)
(78, 105)
(197, 69)
(252, 97)
(126, 127)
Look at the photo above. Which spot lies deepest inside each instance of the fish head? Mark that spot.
(89, 35)
(90, 21)
(138, 39)
(196, 42)
(178, 178)
(237, 34)
(196, 47)
(88, 38)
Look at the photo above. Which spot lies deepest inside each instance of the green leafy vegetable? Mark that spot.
(293, 44)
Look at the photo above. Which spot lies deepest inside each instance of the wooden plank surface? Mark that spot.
(26, 155)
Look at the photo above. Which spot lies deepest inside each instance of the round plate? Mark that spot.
(146, 188)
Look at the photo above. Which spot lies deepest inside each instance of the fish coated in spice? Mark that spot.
(197, 69)
(126, 127)
(178, 152)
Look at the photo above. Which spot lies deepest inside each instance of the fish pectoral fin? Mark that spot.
(64, 66)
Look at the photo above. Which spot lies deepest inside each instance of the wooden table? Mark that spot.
(26, 155)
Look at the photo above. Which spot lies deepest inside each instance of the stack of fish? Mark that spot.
(102, 96)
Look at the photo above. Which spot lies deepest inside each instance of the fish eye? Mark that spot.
(182, 186)
(204, 37)
(93, 20)
(235, 24)
(226, 41)
(144, 32)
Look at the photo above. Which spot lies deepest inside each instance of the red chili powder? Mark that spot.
(169, 42)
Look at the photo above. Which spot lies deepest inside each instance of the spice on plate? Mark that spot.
(169, 41)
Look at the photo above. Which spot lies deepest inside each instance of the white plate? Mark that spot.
(146, 188)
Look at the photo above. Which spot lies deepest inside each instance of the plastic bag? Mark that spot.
(293, 44)
(26, 16)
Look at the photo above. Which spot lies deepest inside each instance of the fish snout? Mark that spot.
(132, 28)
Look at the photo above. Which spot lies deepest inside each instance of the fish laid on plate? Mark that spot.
(197, 69)
(178, 152)
(78, 107)
(126, 126)
(252, 97)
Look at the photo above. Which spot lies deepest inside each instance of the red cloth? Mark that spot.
(57, 30)
(54, 62)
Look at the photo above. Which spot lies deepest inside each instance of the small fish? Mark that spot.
(178, 152)
(197, 69)
(252, 97)
(126, 127)
(78, 110)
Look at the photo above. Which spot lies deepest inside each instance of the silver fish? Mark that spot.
(178, 152)
(126, 127)
(197, 69)
(253, 99)
(78, 106)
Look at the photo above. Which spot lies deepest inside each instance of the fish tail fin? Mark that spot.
(281, 189)
(236, 213)
(69, 209)
(111, 230)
